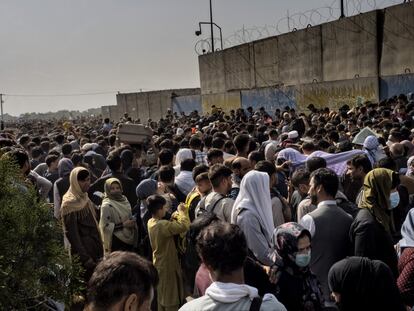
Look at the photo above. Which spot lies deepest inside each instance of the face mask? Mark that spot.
(117, 195)
(394, 199)
(303, 260)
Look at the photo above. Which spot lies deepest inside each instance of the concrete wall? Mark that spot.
(150, 105)
(398, 40)
(396, 85)
(227, 101)
(345, 61)
(269, 98)
(187, 104)
(266, 62)
(349, 48)
(337, 93)
(300, 58)
(105, 112)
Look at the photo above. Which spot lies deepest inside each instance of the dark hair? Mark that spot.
(202, 177)
(118, 275)
(208, 141)
(308, 146)
(45, 145)
(50, 159)
(155, 202)
(19, 156)
(334, 136)
(273, 132)
(76, 158)
(66, 149)
(256, 156)
(300, 176)
(217, 173)
(24, 139)
(83, 174)
(266, 166)
(36, 140)
(387, 163)
(222, 246)
(166, 144)
(195, 143)
(59, 139)
(328, 179)
(36, 152)
(241, 142)
(199, 224)
(166, 156)
(214, 153)
(314, 163)
(188, 165)
(218, 143)
(114, 161)
(166, 174)
(361, 160)
(323, 144)
(199, 169)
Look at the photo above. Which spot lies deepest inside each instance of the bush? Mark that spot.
(34, 266)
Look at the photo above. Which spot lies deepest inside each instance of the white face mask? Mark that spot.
(394, 199)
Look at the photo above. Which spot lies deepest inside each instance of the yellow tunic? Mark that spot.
(161, 233)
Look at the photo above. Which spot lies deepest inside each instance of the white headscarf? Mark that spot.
(370, 146)
(254, 196)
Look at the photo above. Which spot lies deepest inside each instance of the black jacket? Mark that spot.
(369, 239)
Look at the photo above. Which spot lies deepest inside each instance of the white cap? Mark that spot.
(293, 134)
(180, 131)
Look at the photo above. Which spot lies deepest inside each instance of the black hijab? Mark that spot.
(364, 284)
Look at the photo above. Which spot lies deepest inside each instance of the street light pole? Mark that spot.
(342, 9)
(211, 27)
(2, 116)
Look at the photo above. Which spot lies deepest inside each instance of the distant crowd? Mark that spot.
(233, 210)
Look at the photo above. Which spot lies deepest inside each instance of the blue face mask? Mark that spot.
(303, 260)
(394, 199)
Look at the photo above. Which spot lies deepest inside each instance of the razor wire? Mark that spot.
(293, 22)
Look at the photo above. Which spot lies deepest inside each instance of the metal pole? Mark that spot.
(342, 9)
(2, 116)
(211, 27)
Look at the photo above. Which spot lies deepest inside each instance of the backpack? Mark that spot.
(203, 208)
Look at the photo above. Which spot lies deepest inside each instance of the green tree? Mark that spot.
(34, 266)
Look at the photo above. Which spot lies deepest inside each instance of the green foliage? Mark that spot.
(34, 265)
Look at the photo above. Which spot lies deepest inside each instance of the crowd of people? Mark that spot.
(246, 210)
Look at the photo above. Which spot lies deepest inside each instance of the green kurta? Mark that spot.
(161, 233)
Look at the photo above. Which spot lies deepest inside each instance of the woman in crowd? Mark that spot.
(371, 231)
(79, 221)
(117, 225)
(252, 211)
(360, 284)
(297, 287)
(405, 280)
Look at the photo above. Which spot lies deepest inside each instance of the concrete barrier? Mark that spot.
(266, 62)
(398, 40)
(337, 93)
(226, 101)
(396, 85)
(187, 104)
(269, 98)
(299, 55)
(350, 47)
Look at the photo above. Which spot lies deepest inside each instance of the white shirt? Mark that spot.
(307, 221)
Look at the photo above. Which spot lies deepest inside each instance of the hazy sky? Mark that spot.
(92, 46)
